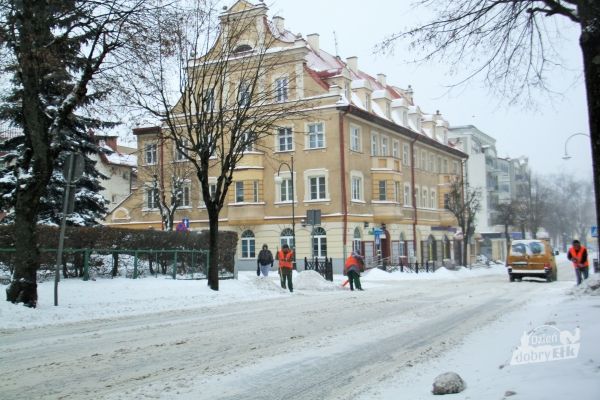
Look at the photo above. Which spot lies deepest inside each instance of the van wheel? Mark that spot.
(549, 277)
(511, 277)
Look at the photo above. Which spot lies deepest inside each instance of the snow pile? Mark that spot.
(590, 287)
(312, 280)
(264, 283)
(377, 274)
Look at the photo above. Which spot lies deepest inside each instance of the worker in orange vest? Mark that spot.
(285, 256)
(354, 265)
(577, 254)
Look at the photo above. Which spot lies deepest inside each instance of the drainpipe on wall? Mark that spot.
(162, 175)
(414, 197)
(343, 183)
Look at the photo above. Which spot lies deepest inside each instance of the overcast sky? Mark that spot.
(538, 134)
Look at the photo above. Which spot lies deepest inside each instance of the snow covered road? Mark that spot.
(320, 344)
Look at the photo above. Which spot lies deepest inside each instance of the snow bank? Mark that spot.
(377, 274)
(590, 287)
(312, 280)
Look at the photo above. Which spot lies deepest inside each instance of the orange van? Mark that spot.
(531, 258)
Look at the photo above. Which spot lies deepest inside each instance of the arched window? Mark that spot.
(248, 245)
(357, 241)
(287, 237)
(319, 242)
(241, 48)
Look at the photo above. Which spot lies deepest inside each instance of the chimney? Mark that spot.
(279, 23)
(352, 63)
(381, 79)
(313, 41)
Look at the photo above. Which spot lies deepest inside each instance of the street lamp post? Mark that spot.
(279, 179)
(566, 156)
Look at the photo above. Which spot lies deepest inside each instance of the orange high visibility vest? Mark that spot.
(285, 260)
(577, 255)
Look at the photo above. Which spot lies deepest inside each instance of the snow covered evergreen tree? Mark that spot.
(89, 207)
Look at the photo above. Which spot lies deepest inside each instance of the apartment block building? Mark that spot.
(364, 157)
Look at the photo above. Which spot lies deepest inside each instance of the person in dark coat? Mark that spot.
(264, 261)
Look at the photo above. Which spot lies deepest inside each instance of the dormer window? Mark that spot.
(242, 48)
(368, 101)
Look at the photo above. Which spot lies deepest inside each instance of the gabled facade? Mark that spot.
(118, 164)
(364, 155)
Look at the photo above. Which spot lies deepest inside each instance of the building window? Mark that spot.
(455, 167)
(317, 188)
(374, 144)
(255, 189)
(285, 190)
(244, 94)
(285, 139)
(355, 142)
(433, 203)
(357, 241)
(248, 141)
(423, 160)
(152, 198)
(397, 192)
(248, 245)
(382, 190)
(208, 100)
(405, 154)
(425, 198)
(384, 146)
(212, 190)
(431, 163)
(281, 89)
(150, 154)
(357, 188)
(395, 149)
(407, 198)
(417, 197)
(388, 109)
(239, 192)
(446, 201)
(181, 151)
(183, 195)
(368, 101)
(287, 237)
(319, 242)
(316, 136)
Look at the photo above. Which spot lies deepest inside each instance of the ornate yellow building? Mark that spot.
(364, 156)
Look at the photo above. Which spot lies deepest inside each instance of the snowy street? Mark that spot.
(321, 342)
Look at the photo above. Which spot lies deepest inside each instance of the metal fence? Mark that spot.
(322, 266)
(92, 263)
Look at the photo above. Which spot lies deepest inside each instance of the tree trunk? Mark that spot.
(115, 269)
(23, 287)
(589, 13)
(213, 246)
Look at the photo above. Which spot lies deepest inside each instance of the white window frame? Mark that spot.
(180, 156)
(150, 154)
(397, 192)
(405, 154)
(255, 191)
(243, 99)
(248, 246)
(433, 199)
(212, 188)
(379, 192)
(281, 89)
(312, 131)
(319, 242)
(249, 145)
(396, 148)
(407, 195)
(239, 189)
(316, 173)
(148, 204)
(287, 134)
(284, 181)
(355, 138)
(425, 197)
(385, 145)
(357, 187)
(374, 144)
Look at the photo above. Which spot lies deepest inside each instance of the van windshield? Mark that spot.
(527, 248)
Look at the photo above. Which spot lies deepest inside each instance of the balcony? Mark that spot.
(387, 209)
(391, 164)
(245, 212)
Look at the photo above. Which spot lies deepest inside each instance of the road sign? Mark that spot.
(595, 231)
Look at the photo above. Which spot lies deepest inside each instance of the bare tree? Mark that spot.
(509, 42)
(464, 203)
(506, 215)
(223, 103)
(56, 49)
